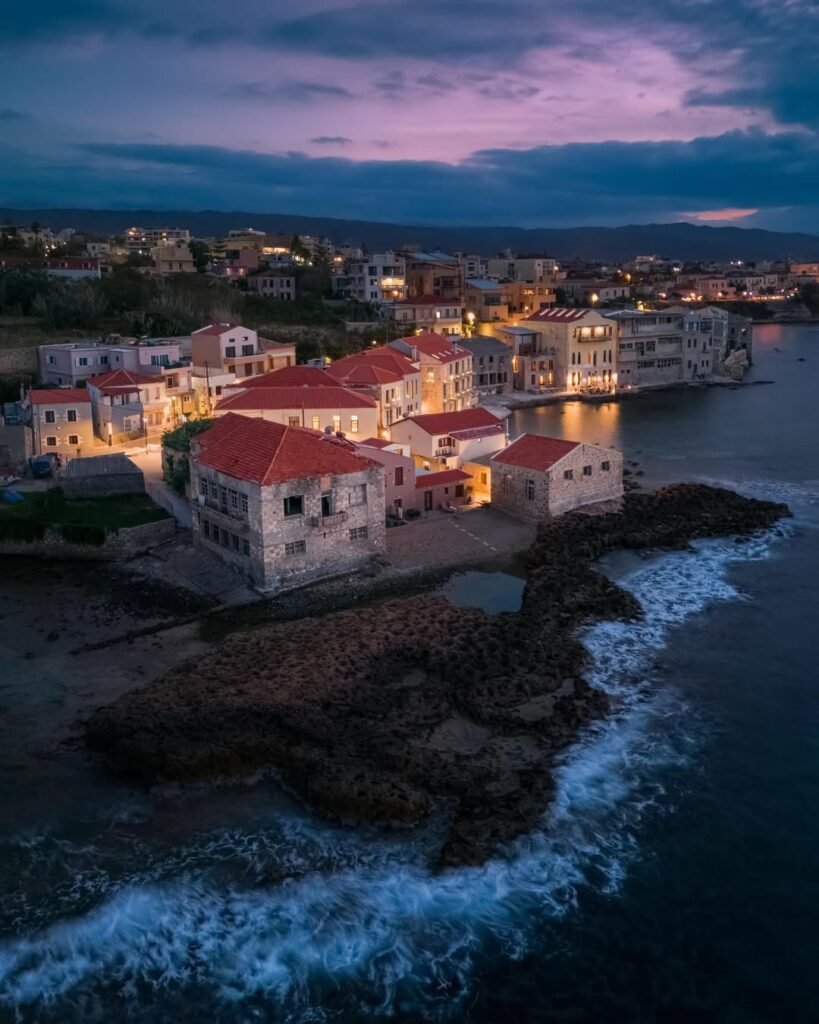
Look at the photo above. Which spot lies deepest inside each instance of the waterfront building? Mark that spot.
(491, 365)
(539, 477)
(284, 505)
(449, 440)
(388, 376)
(651, 346)
(565, 349)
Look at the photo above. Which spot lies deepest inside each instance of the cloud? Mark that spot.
(331, 140)
(287, 90)
(579, 183)
(7, 114)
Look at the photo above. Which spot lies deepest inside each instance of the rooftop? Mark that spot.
(446, 476)
(558, 314)
(434, 346)
(266, 453)
(121, 380)
(100, 465)
(458, 424)
(58, 396)
(428, 300)
(382, 365)
(483, 284)
(292, 376)
(484, 345)
(215, 330)
(535, 451)
(294, 398)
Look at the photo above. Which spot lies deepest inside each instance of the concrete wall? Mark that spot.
(119, 546)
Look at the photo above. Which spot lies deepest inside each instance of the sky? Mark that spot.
(523, 112)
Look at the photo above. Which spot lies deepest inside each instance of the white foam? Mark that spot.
(364, 915)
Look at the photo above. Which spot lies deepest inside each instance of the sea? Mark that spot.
(675, 878)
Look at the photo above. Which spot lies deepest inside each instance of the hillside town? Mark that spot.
(289, 468)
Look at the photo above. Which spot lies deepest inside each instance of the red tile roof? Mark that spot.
(436, 346)
(295, 398)
(455, 423)
(382, 365)
(446, 476)
(268, 453)
(121, 380)
(58, 396)
(428, 300)
(375, 442)
(557, 314)
(217, 329)
(292, 377)
(534, 451)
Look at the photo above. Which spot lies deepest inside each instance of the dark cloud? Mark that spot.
(545, 185)
(331, 140)
(298, 91)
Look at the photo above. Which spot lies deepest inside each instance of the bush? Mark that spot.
(180, 438)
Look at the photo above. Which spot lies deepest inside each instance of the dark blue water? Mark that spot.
(675, 878)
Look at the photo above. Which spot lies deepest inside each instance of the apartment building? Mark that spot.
(273, 284)
(74, 268)
(491, 365)
(485, 300)
(142, 240)
(430, 313)
(651, 346)
(284, 505)
(127, 405)
(69, 362)
(530, 269)
(446, 371)
(379, 277)
(172, 258)
(568, 349)
(152, 356)
(448, 440)
(232, 349)
(433, 273)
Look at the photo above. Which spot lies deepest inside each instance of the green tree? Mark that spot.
(298, 249)
(200, 253)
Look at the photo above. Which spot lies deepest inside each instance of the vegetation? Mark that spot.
(175, 468)
(180, 437)
(52, 508)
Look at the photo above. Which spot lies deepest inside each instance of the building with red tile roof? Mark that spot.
(291, 376)
(450, 439)
(285, 505)
(127, 405)
(230, 348)
(446, 371)
(445, 489)
(61, 421)
(565, 350)
(539, 477)
(58, 396)
(385, 374)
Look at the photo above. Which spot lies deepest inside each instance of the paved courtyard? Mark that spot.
(468, 536)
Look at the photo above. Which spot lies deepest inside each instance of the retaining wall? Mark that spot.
(119, 546)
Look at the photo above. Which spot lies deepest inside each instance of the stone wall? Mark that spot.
(95, 486)
(14, 361)
(119, 546)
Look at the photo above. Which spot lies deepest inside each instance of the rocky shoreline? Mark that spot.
(387, 713)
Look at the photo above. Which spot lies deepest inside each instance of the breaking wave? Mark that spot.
(290, 917)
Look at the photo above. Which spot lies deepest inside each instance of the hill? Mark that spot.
(679, 240)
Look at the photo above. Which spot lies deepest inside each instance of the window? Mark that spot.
(292, 421)
(530, 490)
(399, 476)
(203, 486)
(234, 499)
(354, 424)
(484, 479)
(294, 505)
(82, 361)
(246, 547)
(248, 369)
(247, 350)
(214, 491)
(244, 503)
(358, 494)
(336, 424)
(51, 441)
(605, 466)
(327, 503)
(316, 423)
(235, 541)
(297, 547)
(358, 533)
(71, 415)
(206, 528)
(230, 352)
(74, 439)
(222, 495)
(587, 471)
(49, 416)
(51, 359)
(568, 474)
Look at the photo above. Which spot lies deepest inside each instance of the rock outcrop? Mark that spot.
(385, 713)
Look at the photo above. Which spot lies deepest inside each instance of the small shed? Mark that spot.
(98, 475)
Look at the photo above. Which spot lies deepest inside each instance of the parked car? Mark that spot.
(44, 466)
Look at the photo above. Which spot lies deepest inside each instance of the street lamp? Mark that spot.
(594, 298)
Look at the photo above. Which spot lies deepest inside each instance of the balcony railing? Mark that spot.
(328, 522)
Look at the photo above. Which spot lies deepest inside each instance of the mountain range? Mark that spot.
(682, 240)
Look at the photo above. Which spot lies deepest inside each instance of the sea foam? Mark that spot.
(290, 916)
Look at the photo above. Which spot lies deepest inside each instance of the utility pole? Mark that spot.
(207, 386)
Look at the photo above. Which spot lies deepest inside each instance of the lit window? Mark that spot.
(316, 423)
(354, 424)
(336, 424)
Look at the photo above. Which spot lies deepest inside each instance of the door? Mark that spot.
(427, 501)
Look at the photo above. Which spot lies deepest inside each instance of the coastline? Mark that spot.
(388, 713)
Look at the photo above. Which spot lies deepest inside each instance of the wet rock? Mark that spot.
(386, 713)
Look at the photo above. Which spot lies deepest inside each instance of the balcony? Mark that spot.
(231, 519)
(330, 522)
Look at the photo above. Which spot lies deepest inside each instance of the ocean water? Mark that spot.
(674, 878)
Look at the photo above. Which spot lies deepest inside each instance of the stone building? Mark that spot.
(61, 421)
(571, 349)
(539, 477)
(284, 505)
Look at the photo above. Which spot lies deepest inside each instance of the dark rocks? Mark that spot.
(384, 713)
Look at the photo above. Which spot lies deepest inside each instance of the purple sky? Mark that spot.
(524, 111)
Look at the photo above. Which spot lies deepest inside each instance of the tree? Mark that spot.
(298, 249)
(200, 253)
